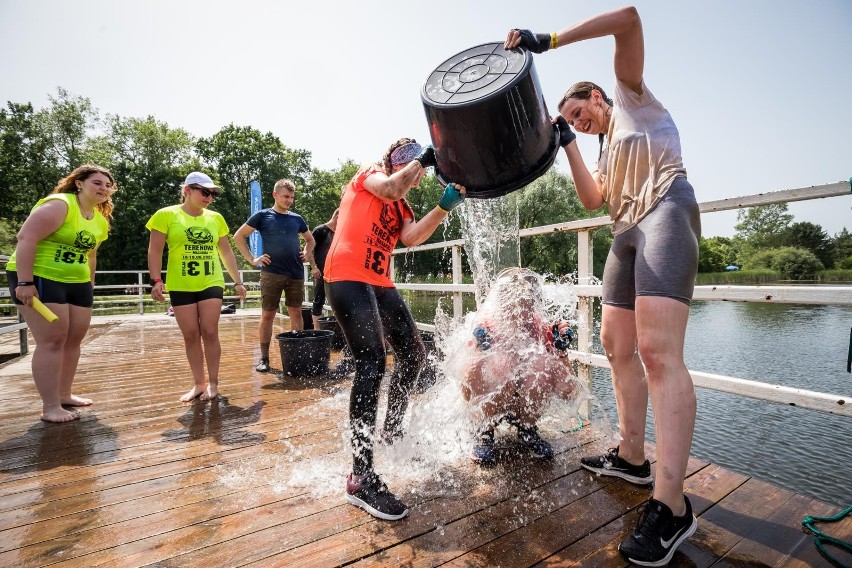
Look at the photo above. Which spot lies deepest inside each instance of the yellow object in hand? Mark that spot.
(44, 311)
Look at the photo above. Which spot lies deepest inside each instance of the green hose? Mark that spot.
(821, 539)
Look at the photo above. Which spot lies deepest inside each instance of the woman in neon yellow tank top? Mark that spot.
(197, 238)
(54, 261)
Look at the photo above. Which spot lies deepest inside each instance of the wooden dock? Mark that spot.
(139, 480)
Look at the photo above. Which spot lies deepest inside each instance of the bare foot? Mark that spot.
(74, 400)
(59, 415)
(194, 393)
(211, 392)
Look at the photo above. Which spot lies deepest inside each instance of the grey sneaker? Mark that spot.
(263, 366)
(611, 464)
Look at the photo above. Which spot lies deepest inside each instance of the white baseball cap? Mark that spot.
(202, 179)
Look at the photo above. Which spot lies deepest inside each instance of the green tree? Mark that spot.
(842, 249)
(8, 241)
(320, 196)
(422, 200)
(793, 263)
(715, 253)
(763, 226)
(150, 161)
(241, 154)
(796, 263)
(548, 200)
(28, 170)
(67, 123)
(811, 237)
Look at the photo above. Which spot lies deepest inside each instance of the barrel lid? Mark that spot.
(475, 73)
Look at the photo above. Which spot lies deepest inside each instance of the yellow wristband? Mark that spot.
(554, 41)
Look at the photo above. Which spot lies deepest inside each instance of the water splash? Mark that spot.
(491, 239)
(433, 458)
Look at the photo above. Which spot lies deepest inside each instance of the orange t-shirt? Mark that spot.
(368, 229)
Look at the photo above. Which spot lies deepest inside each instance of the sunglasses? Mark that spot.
(205, 192)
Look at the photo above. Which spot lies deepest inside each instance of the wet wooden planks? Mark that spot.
(138, 480)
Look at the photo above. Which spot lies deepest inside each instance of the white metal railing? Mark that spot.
(586, 360)
(817, 295)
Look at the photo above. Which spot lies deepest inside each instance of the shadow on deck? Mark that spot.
(144, 480)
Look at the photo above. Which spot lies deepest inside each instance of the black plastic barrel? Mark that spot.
(305, 353)
(330, 323)
(488, 120)
(307, 318)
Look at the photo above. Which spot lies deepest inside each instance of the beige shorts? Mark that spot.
(272, 286)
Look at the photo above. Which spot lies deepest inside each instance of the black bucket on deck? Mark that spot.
(330, 323)
(305, 353)
(488, 120)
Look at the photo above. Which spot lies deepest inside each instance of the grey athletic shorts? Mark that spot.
(659, 255)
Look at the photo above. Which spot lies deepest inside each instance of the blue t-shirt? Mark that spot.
(280, 232)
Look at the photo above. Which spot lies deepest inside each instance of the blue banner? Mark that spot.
(255, 241)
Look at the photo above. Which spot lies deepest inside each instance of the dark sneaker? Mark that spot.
(658, 534)
(372, 495)
(538, 447)
(611, 464)
(263, 366)
(484, 453)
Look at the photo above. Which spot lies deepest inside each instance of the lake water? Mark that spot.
(793, 345)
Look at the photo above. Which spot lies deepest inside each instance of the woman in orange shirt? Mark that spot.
(374, 216)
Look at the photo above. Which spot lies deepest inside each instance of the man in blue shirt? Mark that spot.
(281, 265)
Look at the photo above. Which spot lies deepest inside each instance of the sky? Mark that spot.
(758, 89)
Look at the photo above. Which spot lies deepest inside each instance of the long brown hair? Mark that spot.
(386, 160)
(583, 91)
(68, 184)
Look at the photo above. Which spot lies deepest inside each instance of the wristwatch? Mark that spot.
(155, 281)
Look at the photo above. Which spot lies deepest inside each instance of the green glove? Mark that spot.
(451, 199)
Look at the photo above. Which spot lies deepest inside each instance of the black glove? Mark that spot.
(566, 135)
(537, 43)
(563, 341)
(427, 157)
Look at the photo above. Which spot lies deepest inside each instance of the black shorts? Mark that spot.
(50, 291)
(179, 298)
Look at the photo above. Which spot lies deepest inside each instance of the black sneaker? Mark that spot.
(658, 534)
(372, 495)
(484, 453)
(538, 447)
(263, 366)
(611, 464)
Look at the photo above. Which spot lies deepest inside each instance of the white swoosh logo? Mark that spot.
(667, 543)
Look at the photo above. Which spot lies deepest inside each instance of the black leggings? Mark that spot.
(368, 315)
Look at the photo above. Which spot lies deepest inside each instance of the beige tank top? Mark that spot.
(642, 157)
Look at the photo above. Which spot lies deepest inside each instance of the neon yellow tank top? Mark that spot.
(194, 263)
(63, 255)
